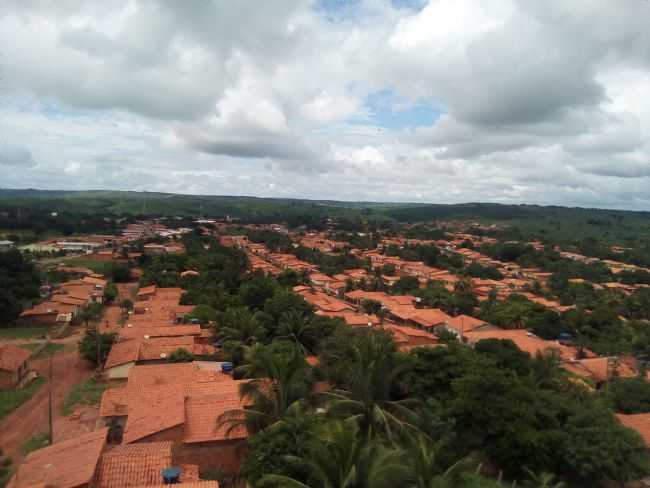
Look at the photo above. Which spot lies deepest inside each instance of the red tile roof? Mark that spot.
(12, 357)
(114, 402)
(153, 410)
(524, 340)
(133, 465)
(202, 415)
(122, 353)
(139, 331)
(147, 290)
(465, 323)
(193, 484)
(639, 422)
(67, 464)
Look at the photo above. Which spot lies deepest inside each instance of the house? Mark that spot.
(47, 313)
(67, 464)
(154, 249)
(6, 245)
(461, 324)
(147, 291)
(599, 369)
(639, 422)
(180, 403)
(141, 465)
(14, 366)
(86, 462)
(125, 354)
(524, 340)
(408, 338)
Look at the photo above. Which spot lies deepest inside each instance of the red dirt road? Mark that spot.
(31, 417)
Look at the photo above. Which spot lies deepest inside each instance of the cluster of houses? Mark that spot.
(152, 331)
(159, 418)
(91, 461)
(414, 325)
(67, 300)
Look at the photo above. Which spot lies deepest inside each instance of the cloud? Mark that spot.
(439, 100)
(16, 156)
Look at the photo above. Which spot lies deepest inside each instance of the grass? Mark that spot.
(48, 351)
(101, 267)
(12, 399)
(87, 393)
(23, 332)
(35, 442)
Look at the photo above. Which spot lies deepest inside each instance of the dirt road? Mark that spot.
(32, 416)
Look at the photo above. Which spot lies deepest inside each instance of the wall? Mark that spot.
(119, 372)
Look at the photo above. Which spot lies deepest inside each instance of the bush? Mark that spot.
(181, 355)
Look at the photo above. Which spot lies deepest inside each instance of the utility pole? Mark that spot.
(50, 405)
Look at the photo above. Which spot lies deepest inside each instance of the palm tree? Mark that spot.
(542, 480)
(295, 326)
(367, 399)
(278, 384)
(424, 463)
(344, 458)
(238, 327)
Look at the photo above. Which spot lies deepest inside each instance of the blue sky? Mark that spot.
(388, 110)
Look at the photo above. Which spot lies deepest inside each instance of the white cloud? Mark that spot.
(543, 102)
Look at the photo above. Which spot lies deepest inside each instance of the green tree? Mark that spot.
(366, 397)
(110, 293)
(268, 448)
(94, 347)
(237, 328)
(180, 355)
(92, 313)
(278, 383)
(204, 314)
(370, 306)
(343, 458)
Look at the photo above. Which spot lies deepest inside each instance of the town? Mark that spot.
(213, 352)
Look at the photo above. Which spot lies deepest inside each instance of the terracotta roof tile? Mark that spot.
(147, 290)
(114, 402)
(13, 357)
(153, 410)
(139, 331)
(194, 484)
(67, 464)
(133, 465)
(202, 414)
(639, 422)
(122, 353)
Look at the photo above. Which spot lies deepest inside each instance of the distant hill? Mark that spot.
(533, 220)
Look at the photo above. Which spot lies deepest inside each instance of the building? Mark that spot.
(639, 422)
(6, 245)
(87, 462)
(14, 366)
(180, 403)
(68, 464)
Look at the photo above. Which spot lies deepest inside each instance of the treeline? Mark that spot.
(19, 285)
(40, 222)
(330, 264)
(547, 260)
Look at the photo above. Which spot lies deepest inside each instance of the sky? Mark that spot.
(441, 101)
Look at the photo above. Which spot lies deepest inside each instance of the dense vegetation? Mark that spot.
(19, 285)
(444, 417)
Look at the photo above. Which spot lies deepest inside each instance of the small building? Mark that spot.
(14, 366)
(6, 245)
(67, 464)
